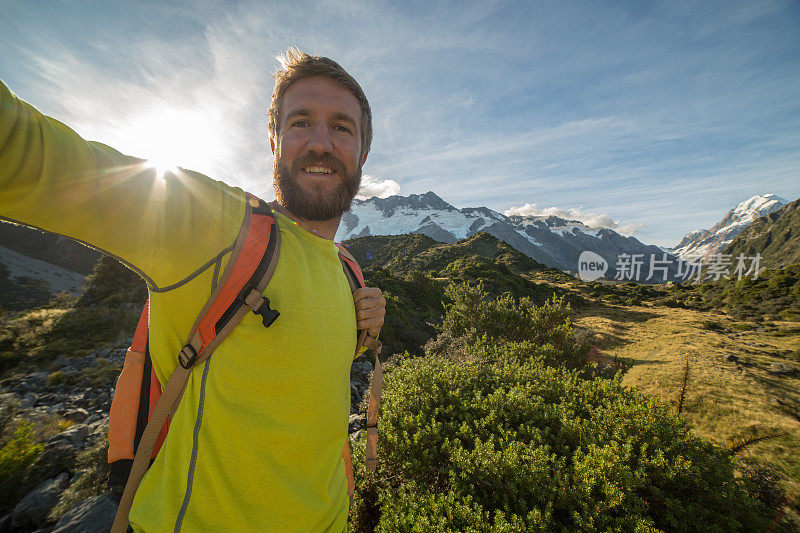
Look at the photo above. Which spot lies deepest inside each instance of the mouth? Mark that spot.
(318, 170)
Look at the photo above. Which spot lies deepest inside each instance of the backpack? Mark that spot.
(142, 406)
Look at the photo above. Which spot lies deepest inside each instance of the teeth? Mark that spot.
(318, 170)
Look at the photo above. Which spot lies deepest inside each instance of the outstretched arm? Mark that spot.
(53, 179)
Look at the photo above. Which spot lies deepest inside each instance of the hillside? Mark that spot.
(775, 236)
(701, 243)
(503, 377)
(44, 246)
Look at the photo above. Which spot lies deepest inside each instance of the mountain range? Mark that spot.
(553, 241)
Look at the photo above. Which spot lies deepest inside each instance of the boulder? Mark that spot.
(76, 415)
(92, 514)
(29, 400)
(34, 508)
(730, 358)
(76, 435)
(58, 456)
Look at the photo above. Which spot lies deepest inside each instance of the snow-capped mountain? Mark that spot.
(551, 240)
(699, 243)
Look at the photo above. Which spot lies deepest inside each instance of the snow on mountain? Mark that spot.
(700, 243)
(549, 239)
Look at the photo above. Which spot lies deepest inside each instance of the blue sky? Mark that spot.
(651, 118)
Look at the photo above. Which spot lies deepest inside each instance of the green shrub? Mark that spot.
(525, 447)
(19, 452)
(56, 378)
(510, 328)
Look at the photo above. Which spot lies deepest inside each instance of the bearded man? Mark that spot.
(256, 442)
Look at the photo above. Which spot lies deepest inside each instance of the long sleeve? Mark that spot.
(52, 179)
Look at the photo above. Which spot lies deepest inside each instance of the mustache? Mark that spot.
(324, 160)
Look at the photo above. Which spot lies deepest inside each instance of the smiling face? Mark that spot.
(317, 149)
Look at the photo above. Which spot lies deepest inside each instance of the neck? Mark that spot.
(321, 228)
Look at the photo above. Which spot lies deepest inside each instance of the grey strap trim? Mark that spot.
(215, 278)
(195, 439)
(196, 273)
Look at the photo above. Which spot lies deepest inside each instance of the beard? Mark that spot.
(316, 205)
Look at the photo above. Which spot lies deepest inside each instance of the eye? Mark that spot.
(343, 128)
(300, 123)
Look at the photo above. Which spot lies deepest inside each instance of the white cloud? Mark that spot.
(593, 220)
(374, 186)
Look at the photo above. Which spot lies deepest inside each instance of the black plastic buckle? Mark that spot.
(268, 315)
(190, 362)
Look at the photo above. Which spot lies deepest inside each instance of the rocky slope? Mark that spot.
(79, 391)
(701, 242)
(776, 237)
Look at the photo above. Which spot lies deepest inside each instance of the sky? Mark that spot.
(651, 118)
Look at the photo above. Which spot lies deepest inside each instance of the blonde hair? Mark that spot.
(297, 65)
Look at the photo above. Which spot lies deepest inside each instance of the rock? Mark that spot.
(362, 368)
(34, 508)
(76, 415)
(76, 435)
(92, 514)
(58, 456)
(355, 422)
(29, 400)
(730, 358)
(355, 394)
(781, 369)
(93, 418)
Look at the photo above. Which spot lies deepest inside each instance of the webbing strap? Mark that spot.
(354, 277)
(374, 404)
(171, 396)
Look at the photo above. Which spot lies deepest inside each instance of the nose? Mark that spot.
(320, 139)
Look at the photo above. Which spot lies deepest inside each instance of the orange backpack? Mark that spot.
(142, 406)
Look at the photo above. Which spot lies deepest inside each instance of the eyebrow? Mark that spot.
(346, 118)
(336, 116)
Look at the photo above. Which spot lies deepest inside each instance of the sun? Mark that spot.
(171, 138)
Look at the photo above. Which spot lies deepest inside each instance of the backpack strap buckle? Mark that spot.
(260, 306)
(187, 356)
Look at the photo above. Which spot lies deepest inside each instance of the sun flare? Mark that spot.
(172, 138)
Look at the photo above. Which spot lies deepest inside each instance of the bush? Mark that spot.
(525, 447)
(19, 452)
(56, 378)
(507, 328)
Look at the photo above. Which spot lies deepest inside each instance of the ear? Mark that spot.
(364, 159)
(272, 145)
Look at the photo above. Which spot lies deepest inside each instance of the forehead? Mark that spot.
(322, 96)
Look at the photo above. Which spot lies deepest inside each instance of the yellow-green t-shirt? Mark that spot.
(256, 442)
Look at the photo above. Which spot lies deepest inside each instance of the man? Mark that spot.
(256, 442)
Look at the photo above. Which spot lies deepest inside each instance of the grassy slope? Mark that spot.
(724, 400)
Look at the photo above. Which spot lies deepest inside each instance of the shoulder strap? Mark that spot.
(353, 272)
(249, 269)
